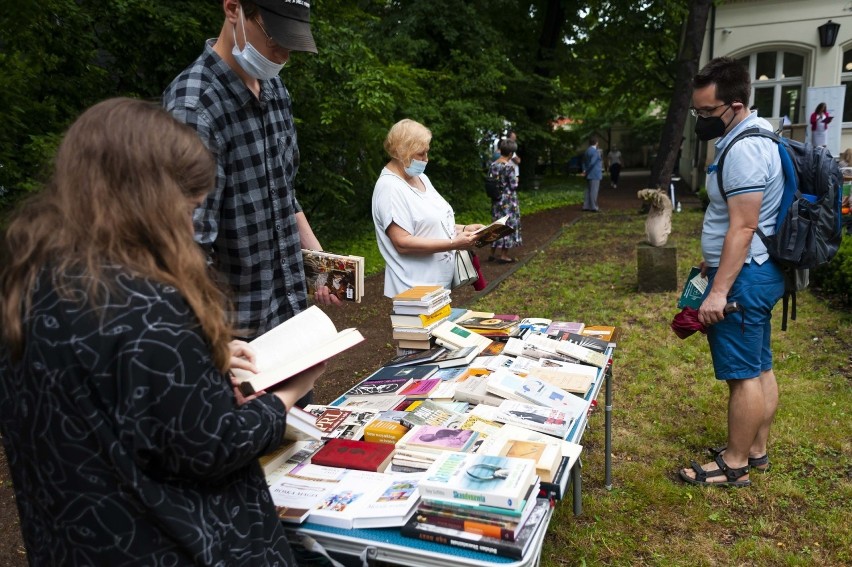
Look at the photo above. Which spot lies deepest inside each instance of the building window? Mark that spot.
(776, 83)
(846, 79)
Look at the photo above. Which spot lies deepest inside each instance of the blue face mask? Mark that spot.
(416, 168)
(251, 60)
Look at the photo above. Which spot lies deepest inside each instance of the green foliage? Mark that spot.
(835, 277)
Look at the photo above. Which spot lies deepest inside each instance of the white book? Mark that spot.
(583, 354)
(541, 393)
(518, 432)
(453, 336)
(367, 500)
(292, 347)
(301, 426)
(535, 417)
(570, 376)
(505, 384)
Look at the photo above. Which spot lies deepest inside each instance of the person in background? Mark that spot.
(593, 170)
(819, 124)
(738, 269)
(504, 170)
(126, 440)
(415, 226)
(614, 160)
(515, 159)
(251, 226)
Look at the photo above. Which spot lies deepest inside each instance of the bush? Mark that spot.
(835, 278)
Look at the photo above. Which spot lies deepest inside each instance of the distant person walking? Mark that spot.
(819, 124)
(593, 170)
(504, 170)
(614, 160)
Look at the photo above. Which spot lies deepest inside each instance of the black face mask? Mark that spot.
(710, 127)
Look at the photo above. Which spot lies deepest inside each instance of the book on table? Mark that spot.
(342, 275)
(582, 354)
(547, 455)
(417, 357)
(570, 376)
(493, 232)
(602, 332)
(591, 343)
(428, 412)
(301, 489)
(420, 321)
(451, 358)
(292, 347)
(384, 430)
(420, 293)
(420, 389)
(301, 426)
(454, 336)
(487, 323)
(555, 327)
(544, 394)
(433, 438)
(473, 388)
(496, 481)
(493, 546)
(421, 307)
(408, 344)
(367, 500)
(538, 418)
(336, 422)
(353, 454)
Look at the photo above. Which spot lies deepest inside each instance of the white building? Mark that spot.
(791, 70)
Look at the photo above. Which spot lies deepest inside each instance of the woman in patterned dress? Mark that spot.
(503, 169)
(126, 440)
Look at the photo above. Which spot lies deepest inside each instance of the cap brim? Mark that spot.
(290, 34)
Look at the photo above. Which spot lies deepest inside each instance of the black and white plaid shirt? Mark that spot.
(247, 225)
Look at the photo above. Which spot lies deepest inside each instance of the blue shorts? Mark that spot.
(739, 344)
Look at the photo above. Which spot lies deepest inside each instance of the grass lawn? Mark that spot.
(668, 408)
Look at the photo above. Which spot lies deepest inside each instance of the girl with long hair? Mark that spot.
(126, 440)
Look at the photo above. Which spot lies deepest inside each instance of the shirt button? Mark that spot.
(278, 226)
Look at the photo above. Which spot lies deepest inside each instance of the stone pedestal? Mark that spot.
(657, 267)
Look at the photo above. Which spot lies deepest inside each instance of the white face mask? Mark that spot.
(251, 60)
(416, 168)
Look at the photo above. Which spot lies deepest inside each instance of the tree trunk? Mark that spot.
(687, 65)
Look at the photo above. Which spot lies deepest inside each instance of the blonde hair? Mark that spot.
(407, 138)
(119, 195)
(846, 157)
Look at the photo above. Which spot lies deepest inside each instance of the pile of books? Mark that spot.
(416, 313)
(481, 502)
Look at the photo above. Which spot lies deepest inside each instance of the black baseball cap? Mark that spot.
(289, 23)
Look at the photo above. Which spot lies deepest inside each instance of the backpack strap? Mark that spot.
(747, 133)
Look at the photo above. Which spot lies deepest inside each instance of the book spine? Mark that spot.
(448, 494)
(467, 525)
(492, 547)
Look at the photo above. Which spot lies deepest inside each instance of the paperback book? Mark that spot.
(420, 321)
(420, 293)
(545, 420)
(493, 232)
(693, 289)
(496, 481)
(453, 336)
(342, 275)
(494, 546)
(301, 426)
(544, 394)
(420, 389)
(428, 412)
(434, 439)
(336, 422)
(292, 347)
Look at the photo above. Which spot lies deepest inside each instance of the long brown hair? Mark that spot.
(119, 195)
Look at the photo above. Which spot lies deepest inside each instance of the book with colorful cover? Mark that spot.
(342, 275)
(336, 422)
(424, 293)
(433, 438)
(496, 481)
(602, 332)
(367, 500)
(296, 492)
(384, 431)
(420, 321)
(493, 232)
(489, 323)
(357, 455)
(420, 307)
(544, 394)
(493, 546)
(420, 389)
(547, 455)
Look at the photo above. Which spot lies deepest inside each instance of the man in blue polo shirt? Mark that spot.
(738, 269)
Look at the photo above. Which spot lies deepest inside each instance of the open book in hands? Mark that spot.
(292, 347)
(493, 232)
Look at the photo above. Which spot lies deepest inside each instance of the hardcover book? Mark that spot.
(434, 438)
(357, 455)
(406, 344)
(367, 500)
(292, 347)
(493, 232)
(342, 275)
(501, 482)
(493, 546)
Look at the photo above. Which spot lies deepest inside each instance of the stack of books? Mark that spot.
(481, 502)
(423, 444)
(416, 313)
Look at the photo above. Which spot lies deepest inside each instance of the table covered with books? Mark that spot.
(455, 451)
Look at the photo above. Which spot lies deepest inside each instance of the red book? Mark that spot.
(349, 454)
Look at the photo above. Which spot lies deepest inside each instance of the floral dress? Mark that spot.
(507, 204)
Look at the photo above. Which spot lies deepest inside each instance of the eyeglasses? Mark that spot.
(705, 112)
(270, 43)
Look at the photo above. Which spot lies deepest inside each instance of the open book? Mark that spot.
(294, 346)
(493, 232)
(342, 275)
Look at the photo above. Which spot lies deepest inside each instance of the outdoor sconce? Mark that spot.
(828, 33)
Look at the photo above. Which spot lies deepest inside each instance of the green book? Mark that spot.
(693, 289)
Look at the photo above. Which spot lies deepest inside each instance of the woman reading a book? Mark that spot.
(415, 226)
(819, 124)
(126, 440)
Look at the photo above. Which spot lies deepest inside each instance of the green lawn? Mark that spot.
(668, 408)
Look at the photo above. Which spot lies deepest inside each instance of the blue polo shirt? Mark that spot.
(752, 165)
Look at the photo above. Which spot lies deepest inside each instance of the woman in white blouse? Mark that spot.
(415, 227)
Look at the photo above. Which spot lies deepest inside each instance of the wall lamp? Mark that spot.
(828, 33)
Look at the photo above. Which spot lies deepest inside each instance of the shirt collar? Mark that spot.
(745, 123)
